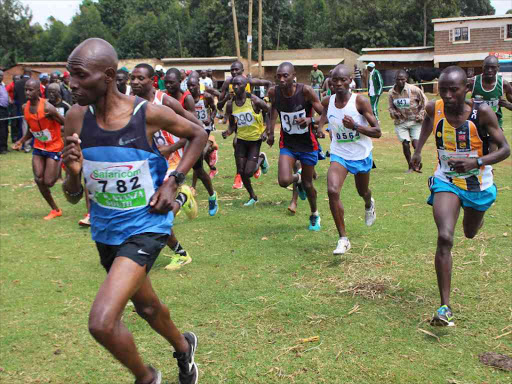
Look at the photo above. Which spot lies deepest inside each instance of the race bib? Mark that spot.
(340, 133)
(494, 104)
(244, 119)
(202, 114)
(44, 135)
(160, 139)
(402, 103)
(120, 186)
(445, 156)
(290, 125)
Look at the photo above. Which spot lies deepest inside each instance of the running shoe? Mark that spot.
(342, 247)
(213, 205)
(370, 215)
(86, 221)
(237, 184)
(177, 262)
(213, 159)
(190, 206)
(213, 173)
(188, 368)
(53, 214)
(443, 317)
(264, 164)
(252, 202)
(314, 223)
(302, 193)
(257, 174)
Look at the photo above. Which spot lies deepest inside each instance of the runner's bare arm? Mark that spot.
(167, 150)
(312, 97)
(426, 131)
(72, 154)
(364, 108)
(210, 103)
(231, 120)
(256, 82)
(507, 91)
(393, 110)
(52, 113)
(259, 105)
(158, 118)
(323, 116)
(488, 119)
(190, 104)
(273, 116)
(175, 105)
(213, 91)
(224, 94)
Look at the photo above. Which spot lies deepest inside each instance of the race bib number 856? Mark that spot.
(120, 186)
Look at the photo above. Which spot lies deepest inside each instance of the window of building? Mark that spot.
(508, 31)
(461, 34)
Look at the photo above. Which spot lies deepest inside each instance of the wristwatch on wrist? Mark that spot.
(355, 127)
(180, 177)
(479, 162)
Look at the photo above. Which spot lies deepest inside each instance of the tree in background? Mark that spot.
(203, 28)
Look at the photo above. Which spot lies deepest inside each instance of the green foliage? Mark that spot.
(203, 28)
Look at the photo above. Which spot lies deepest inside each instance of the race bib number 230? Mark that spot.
(120, 186)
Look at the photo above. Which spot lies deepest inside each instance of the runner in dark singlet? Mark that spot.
(294, 104)
(109, 138)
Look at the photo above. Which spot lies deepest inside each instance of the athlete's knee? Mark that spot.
(333, 191)
(308, 184)
(445, 238)
(285, 181)
(471, 231)
(39, 180)
(101, 325)
(405, 144)
(149, 311)
(364, 193)
(49, 182)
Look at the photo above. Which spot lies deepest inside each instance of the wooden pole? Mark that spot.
(249, 38)
(235, 25)
(260, 37)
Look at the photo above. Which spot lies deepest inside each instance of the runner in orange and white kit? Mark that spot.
(44, 123)
(172, 148)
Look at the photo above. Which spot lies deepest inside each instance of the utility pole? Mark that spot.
(249, 38)
(260, 38)
(235, 24)
(179, 37)
(278, 33)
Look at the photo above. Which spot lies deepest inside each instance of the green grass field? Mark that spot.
(260, 283)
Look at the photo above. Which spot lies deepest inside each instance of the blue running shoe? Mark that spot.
(251, 203)
(314, 223)
(213, 205)
(264, 165)
(300, 188)
(443, 317)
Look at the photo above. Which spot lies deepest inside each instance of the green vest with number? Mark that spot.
(492, 97)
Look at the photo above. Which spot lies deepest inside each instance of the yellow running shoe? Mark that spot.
(190, 206)
(177, 262)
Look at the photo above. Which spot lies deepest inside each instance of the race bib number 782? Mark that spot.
(120, 186)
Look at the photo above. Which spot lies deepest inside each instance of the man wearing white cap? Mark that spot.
(317, 79)
(159, 70)
(375, 86)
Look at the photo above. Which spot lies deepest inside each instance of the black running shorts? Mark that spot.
(143, 248)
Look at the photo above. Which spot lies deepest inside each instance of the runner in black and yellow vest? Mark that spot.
(246, 113)
(492, 88)
(237, 68)
(463, 177)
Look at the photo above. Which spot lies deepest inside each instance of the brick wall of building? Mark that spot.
(486, 39)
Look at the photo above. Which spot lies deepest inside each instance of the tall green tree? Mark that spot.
(15, 32)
